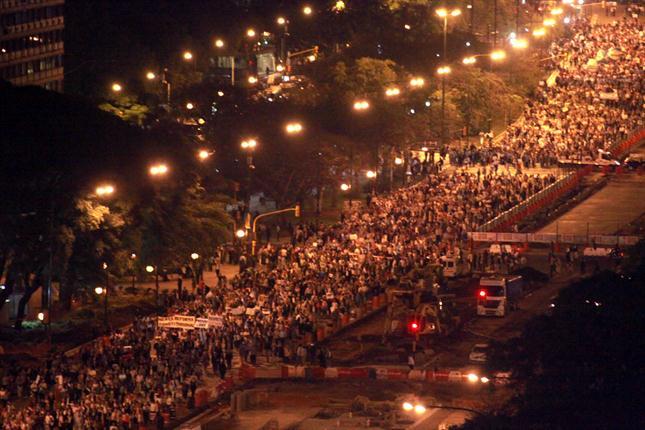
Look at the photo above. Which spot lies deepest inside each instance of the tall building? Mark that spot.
(31, 42)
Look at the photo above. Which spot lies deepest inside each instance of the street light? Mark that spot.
(442, 72)
(281, 20)
(370, 174)
(150, 76)
(203, 154)
(549, 22)
(104, 190)
(419, 409)
(155, 269)
(361, 105)
(158, 169)
(417, 82)
(279, 68)
(249, 144)
(194, 256)
(497, 55)
(469, 60)
(219, 43)
(472, 377)
(293, 128)
(339, 6)
(250, 32)
(187, 55)
(99, 291)
(445, 13)
(240, 233)
(398, 161)
(116, 87)
(345, 187)
(407, 406)
(307, 10)
(392, 92)
(253, 80)
(189, 106)
(519, 43)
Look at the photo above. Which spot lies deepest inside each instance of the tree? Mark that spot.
(57, 149)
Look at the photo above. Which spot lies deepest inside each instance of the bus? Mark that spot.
(497, 295)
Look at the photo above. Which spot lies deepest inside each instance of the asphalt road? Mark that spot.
(617, 204)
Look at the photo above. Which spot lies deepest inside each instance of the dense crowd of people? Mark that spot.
(595, 101)
(137, 376)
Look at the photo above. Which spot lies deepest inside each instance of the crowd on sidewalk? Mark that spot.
(138, 376)
(596, 101)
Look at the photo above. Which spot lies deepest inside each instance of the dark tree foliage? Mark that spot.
(56, 150)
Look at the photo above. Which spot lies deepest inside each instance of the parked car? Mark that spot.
(479, 353)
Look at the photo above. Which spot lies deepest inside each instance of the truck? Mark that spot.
(497, 295)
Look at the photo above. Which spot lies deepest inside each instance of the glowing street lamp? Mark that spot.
(472, 377)
(249, 144)
(219, 43)
(150, 76)
(361, 105)
(293, 128)
(116, 87)
(252, 80)
(407, 406)
(398, 161)
(370, 174)
(279, 68)
(104, 190)
(240, 233)
(281, 20)
(250, 32)
(417, 82)
(307, 10)
(190, 106)
(158, 170)
(419, 409)
(519, 43)
(311, 58)
(445, 14)
(497, 55)
(339, 6)
(345, 187)
(150, 269)
(194, 256)
(392, 92)
(549, 22)
(469, 60)
(187, 55)
(445, 70)
(203, 154)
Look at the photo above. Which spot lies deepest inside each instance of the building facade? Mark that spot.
(31, 42)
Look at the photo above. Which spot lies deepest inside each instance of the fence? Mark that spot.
(537, 201)
(620, 149)
(547, 238)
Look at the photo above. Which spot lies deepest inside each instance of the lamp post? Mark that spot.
(442, 72)
(195, 256)
(104, 291)
(284, 22)
(155, 269)
(445, 13)
(133, 257)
